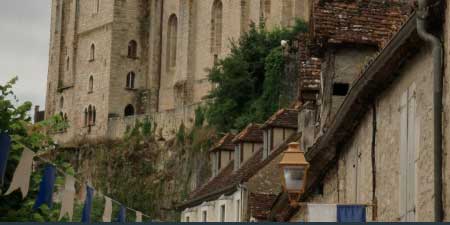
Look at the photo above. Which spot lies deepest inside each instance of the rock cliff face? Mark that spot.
(145, 173)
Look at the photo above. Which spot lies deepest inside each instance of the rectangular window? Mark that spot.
(265, 145)
(241, 151)
(340, 89)
(222, 213)
(205, 216)
(219, 160)
(408, 127)
(237, 156)
(271, 139)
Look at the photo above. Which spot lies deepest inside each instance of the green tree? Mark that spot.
(15, 121)
(248, 81)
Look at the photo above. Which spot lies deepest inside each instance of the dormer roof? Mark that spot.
(284, 118)
(225, 143)
(252, 133)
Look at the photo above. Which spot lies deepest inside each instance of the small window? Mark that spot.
(86, 118)
(129, 110)
(205, 216)
(96, 6)
(67, 63)
(132, 49)
(130, 80)
(216, 27)
(92, 53)
(222, 213)
(340, 89)
(90, 116)
(61, 102)
(91, 84)
(172, 38)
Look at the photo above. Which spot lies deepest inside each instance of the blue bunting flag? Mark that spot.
(5, 146)
(47, 185)
(86, 217)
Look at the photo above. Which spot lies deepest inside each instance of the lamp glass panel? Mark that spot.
(294, 177)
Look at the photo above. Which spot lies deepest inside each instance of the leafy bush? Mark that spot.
(14, 120)
(248, 81)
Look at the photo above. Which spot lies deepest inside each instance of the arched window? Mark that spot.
(68, 63)
(129, 110)
(216, 27)
(86, 118)
(90, 116)
(91, 84)
(267, 4)
(131, 76)
(172, 36)
(132, 49)
(94, 115)
(61, 102)
(92, 53)
(97, 6)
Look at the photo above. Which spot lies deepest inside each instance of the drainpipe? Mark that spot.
(423, 13)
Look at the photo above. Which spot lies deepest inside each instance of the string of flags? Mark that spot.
(21, 181)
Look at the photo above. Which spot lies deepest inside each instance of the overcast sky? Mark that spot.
(24, 41)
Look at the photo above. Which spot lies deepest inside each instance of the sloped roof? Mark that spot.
(363, 22)
(227, 180)
(225, 143)
(284, 118)
(260, 205)
(252, 133)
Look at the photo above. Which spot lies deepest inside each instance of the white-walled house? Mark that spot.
(245, 191)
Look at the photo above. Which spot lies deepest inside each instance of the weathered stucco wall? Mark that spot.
(353, 172)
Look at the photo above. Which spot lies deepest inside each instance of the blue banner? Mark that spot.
(86, 217)
(5, 146)
(45, 195)
(122, 214)
(351, 214)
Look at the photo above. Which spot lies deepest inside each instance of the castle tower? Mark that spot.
(113, 61)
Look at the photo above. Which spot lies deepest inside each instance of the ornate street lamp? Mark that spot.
(295, 172)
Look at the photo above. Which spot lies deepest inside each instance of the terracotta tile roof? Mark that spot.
(260, 205)
(227, 178)
(225, 143)
(216, 183)
(284, 118)
(364, 21)
(252, 133)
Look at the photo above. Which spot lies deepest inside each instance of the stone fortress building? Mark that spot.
(115, 61)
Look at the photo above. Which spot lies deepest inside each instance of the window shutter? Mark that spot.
(403, 154)
(265, 149)
(411, 166)
(236, 157)
(408, 143)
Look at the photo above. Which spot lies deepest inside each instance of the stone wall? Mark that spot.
(352, 173)
(78, 24)
(167, 123)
